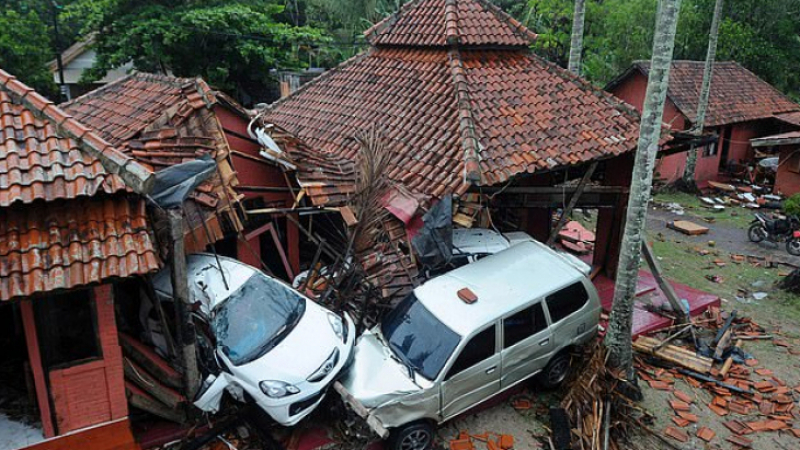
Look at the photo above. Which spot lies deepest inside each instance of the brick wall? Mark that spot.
(93, 392)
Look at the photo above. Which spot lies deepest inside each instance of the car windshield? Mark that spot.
(256, 318)
(418, 338)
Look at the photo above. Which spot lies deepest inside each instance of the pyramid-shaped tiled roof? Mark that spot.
(437, 23)
(459, 115)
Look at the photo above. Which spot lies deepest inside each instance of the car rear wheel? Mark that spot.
(414, 436)
(555, 372)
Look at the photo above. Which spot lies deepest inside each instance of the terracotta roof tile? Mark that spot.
(438, 23)
(69, 243)
(528, 114)
(792, 118)
(737, 95)
(39, 163)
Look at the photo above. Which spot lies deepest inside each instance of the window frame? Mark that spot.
(448, 374)
(40, 306)
(538, 302)
(551, 318)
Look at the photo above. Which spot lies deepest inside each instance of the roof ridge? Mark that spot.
(452, 36)
(136, 176)
(521, 30)
(466, 121)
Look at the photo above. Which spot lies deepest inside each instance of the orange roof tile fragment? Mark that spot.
(706, 434)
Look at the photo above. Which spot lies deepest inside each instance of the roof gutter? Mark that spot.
(136, 176)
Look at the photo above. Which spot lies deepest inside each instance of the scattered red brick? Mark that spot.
(781, 343)
(751, 362)
(678, 405)
(740, 441)
(687, 416)
(706, 434)
(660, 385)
(676, 434)
(739, 407)
(718, 410)
(795, 432)
(684, 396)
(765, 386)
(766, 408)
(737, 426)
(680, 422)
(764, 372)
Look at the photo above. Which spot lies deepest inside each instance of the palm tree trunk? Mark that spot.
(705, 92)
(618, 336)
(576, 45)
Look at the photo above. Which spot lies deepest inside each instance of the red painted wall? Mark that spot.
(92, 393)
(670, 168)
(787, 182)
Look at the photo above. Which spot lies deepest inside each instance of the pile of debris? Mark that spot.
(723, 195)
(713, 358)
(599, 410)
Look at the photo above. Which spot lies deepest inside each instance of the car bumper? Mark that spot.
(288, 411)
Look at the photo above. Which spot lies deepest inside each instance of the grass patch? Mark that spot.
(733, 215)
(682, 262)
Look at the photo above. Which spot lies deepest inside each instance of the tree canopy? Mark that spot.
(235, 44)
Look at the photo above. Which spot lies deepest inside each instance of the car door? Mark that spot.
(527, 344)
(474, 375)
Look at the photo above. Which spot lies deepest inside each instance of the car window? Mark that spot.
(566, 301)
(418, 338)
(523, 325)
(480, 347)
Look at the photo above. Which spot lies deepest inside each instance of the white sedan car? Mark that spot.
(271, 342)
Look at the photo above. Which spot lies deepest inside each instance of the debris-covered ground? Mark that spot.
(744, 275)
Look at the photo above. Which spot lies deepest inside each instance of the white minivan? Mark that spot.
(469, 334)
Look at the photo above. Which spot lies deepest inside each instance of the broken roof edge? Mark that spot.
(135, 175)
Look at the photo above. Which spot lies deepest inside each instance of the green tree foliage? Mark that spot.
(232, 44)
(764, 36)
(24, 44)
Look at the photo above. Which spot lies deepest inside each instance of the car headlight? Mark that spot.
(277, 389)
(337, 325)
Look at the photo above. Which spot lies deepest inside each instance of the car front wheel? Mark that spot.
(555, 372)
(414, 436)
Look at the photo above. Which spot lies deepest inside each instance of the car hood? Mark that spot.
(300, 353)
(375, 376)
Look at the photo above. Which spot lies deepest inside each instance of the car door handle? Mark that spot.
(491, 370)
(544, 342)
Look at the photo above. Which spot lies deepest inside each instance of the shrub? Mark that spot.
(792, 205)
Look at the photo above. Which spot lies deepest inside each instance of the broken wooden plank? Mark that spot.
(686, 227)
(663, 284)
(142, 400)
(138, 376)
(587, 176)
(147, 358)
(676, 355)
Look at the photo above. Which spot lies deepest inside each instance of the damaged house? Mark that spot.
(741, 107)
(71, 226)
(465, 109)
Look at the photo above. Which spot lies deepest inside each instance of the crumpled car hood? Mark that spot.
(375, 377)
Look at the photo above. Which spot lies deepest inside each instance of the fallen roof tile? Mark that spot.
(676, 434)
(706, 434)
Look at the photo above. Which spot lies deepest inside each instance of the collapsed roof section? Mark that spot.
(68, 216)
(162, 121)
(477, 109)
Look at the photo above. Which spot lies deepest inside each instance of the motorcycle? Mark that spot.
(776, 230)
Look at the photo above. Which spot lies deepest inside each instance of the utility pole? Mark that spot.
(185, 338)
(705, 92)
(576, 44)
(54, 7)
(618, 336)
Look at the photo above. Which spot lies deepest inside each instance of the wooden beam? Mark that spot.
(572, 202)
(185, 334)
(663, 284)
(768, 142)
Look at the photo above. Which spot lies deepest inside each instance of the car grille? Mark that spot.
(298, 407)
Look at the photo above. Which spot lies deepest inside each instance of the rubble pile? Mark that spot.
(751, 398)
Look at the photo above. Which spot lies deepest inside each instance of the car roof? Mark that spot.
(502, 282)
(202, 270)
